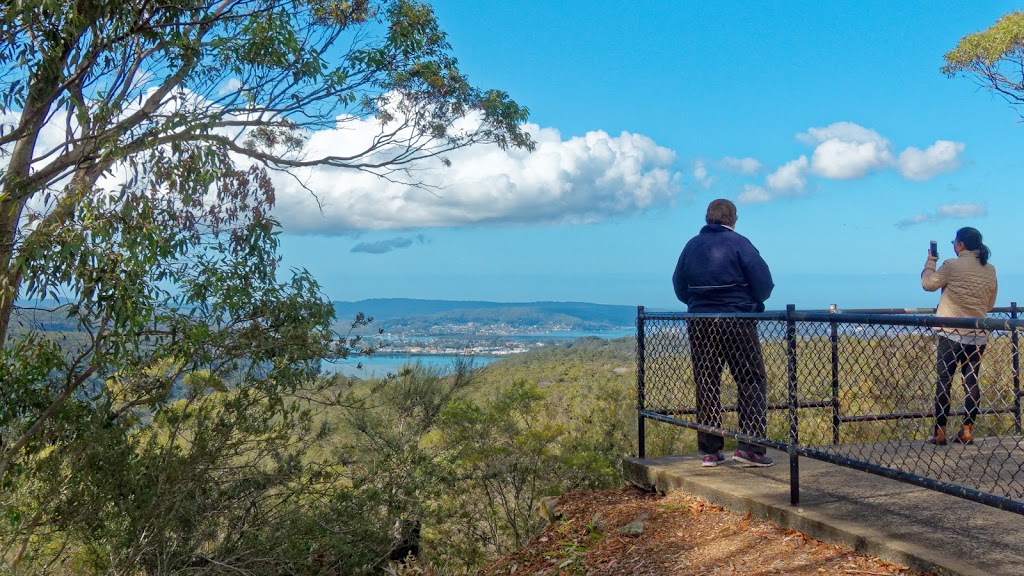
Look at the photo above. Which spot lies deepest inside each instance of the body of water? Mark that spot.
(380, 365)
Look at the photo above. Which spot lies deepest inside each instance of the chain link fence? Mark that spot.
(859, 388)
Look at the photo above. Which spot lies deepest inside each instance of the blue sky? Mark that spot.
(829, 124)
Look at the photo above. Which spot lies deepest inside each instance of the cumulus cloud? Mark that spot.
(841, 131)
(788, 180)
(701, 175)
(588, 178)
(917, 164)
(754, 194)
(839, 160)
(575, 180)
(962, 211)
(700, 172)
(740, 165)
(790, 176)
(956, 211)
(231, 86)
(385, 246)
(846, 151)
(915, 220)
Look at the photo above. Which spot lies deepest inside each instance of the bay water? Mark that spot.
(380, 365)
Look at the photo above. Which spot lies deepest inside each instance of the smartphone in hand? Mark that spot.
(933, 249)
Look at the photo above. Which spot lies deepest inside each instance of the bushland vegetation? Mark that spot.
(327, 474)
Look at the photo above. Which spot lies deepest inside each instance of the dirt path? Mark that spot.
(627, 531)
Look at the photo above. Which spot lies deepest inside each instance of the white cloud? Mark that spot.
(846, 151)
(741, 165)
(754, 194)
(587, 178)
(700, 172)
(915, 220)
(844, 132)
(961, 210)
(839, 160)
(701, 176)
(942, 156)
(231, 86)
(581, 179)
(956, 211)
(787, 180)
(790, 176)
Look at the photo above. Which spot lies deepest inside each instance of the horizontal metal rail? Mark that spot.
(913, 415)
(735, 408)
(998, 310)
(714, 430)
(907, 320)
(884, 319)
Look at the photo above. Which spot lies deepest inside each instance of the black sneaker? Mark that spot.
(752, 459)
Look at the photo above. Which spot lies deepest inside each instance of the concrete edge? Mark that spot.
(807, 521)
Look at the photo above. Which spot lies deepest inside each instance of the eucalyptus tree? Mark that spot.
(994, 58)
(138, 144)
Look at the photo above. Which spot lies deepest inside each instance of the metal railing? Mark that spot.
(857, 388)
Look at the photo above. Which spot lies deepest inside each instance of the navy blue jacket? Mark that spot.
(721, 271)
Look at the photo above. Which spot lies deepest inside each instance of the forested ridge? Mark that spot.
(411, 315)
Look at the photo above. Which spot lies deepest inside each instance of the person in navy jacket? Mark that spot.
(721, 271)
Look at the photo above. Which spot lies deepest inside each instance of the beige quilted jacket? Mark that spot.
(968, 288)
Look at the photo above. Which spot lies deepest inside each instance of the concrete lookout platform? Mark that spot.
(901, 523)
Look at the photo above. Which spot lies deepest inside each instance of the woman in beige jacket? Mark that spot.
(968, 284)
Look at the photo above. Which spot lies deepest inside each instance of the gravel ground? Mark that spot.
(628, 531)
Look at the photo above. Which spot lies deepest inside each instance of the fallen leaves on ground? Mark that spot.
(629, 531)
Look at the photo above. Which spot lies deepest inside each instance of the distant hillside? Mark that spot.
(405, 313)
(410, 315)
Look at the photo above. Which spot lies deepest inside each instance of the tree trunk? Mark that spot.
(10, 279)
(14, 192)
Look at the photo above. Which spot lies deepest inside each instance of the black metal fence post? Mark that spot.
(640, 361)
(834, 336)
(794, 404)
(1014, 349)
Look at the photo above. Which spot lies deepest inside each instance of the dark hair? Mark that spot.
(971, 239)
(721, 211)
